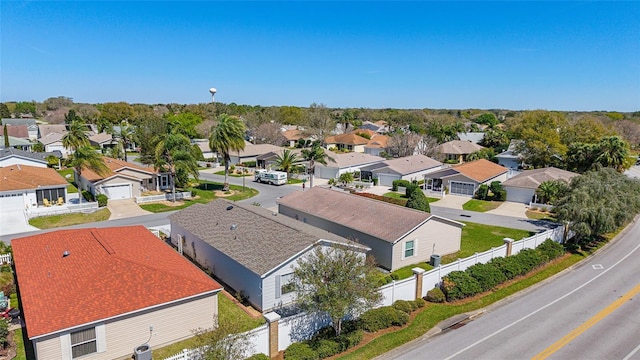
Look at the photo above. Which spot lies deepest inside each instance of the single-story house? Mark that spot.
(344, 162)
(125, 180)
(18, 131)
(46, 129)
(249, 248)
(379, 126)
(31, 125)
(13, 156)
(25, 186)
(510, 158)
(53, 142)
(268, 160)
(251, 152)
(101, 293)
(406, 168)
(464, 179)
(458, 150)
(377, 144)
(16, 143)
(351, 142)
(522, 187)
(292, 137)
(398, 236)
(203, 144)
(102, 140)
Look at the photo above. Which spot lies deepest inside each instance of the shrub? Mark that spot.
(402, 183)
(435, 295)
(509, 266)
(529, 259)
(375, 182)
(260, 356)
(419, 303)
(87, 195)
(482, 192)
(488, 275)
(102, 200)
(4, 331)
(382, 318)
(551, 249)
(459, 285)
(417, 200)
(500, 195)
(9, 288)
(300, 351)
(350, 339)
(403, 305)
(325, 348)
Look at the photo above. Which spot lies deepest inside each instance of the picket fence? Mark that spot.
(162, 197)
(5, 259)
(302, 326)
(85, 207)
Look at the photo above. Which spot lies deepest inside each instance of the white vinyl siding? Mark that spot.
(409, 249)
(83, 342)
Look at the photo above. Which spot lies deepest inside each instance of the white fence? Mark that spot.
(5, 259)
(162, 197)
(86, 207)
(303, 326)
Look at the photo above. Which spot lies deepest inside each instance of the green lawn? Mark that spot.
(480, 237)
(48, 222)
(400, 196)
(232, 174)
(228, 311)
(480, 205)
(205, 193)
(536, 215)
(71, 188)
(407, 272)
(17, 337)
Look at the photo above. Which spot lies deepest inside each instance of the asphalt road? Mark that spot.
(591, 311)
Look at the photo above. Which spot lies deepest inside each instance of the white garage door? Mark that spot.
(115, 192)
(386, 179)
(326, 172)
(11, 202)
(462, 188)
(519, 195)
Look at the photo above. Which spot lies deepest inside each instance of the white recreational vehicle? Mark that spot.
(271, 177)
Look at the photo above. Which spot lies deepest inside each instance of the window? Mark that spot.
(409, 249)
(287, 284)
(83, 342)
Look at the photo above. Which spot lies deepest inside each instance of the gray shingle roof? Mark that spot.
(5, 153)
(411, 164)
(531, 179)
(260, 241)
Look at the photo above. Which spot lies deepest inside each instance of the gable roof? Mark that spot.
(51, 138)
(257, 149)
(39, 157)
(101, 138)
(108, 272)
(14, 141)
(24, 177)
(18, 131)
(410, 164)
(294, 134)
(531, 179)
(47, 129)
(115, 166)
(378, 142)
(261, 241)
(480, 170)
(342, 160)
(347, 139)
(459, 147)
(511, 152)
(11, 121)
(392, 222)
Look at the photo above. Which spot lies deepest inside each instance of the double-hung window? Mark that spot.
(409, 248)
(83, 342)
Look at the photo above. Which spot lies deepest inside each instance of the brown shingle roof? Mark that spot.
(378, 141)
(347, 139)
(114, 165)
(531, 179)
(101, 138)
(19, 131)
(377, 218)
(292, 134)
(480, 170)
(22, 177)
(51, 129)
(260, 241)
(459, 147)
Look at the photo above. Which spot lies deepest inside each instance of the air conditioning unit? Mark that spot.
(142, 352)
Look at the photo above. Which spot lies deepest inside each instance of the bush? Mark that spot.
(410, 189)
(87, 195)
(509, 266)
(102, 200)
(347, 340)
(325, 348)
(4, 331)
(399, 183)
(404, 306)
(529, 259)
(488, 275)
(551, 249)
(9, 288)
(382, 318)
(300, 351)
(419, 303)
(417, 200)
(459, 285)
(260, 356)
(435, 295)
(482, 192)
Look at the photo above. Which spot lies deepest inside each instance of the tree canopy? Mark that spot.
(227, 136)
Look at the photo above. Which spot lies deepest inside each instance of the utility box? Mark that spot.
(142, 352)
(435, 260)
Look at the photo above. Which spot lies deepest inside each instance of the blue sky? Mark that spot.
(511, 55)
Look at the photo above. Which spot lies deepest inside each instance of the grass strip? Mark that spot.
(54, 221)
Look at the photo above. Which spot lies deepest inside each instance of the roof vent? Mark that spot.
(65, 253)
(274, 213)
(234, 226)
(229, 207)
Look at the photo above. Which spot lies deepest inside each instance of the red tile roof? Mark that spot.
(22, 177)
(108, 272)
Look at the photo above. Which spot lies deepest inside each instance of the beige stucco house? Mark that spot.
(398, 236)
(97, 294)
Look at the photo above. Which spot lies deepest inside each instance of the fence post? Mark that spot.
(419, 274)
(272, 319)
(509, 245)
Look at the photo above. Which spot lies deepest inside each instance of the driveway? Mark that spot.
(13, 222)
(452, 201)
(125, 208)
(509, 208)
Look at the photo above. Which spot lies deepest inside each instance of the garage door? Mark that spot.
(386, 179)
(11, 202)
(462, 188)
(115, 192)
(518, 195)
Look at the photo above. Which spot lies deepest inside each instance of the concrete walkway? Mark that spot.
(14, 222)
(509, 208)
(451, 202)
(124, 208)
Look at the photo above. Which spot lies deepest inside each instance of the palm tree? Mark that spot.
(613, 152)
(174, 154)
(85, 157)
(286, 160)
(546, 191)
(315, 155)
(227, 136)
(125, 137)
(76, 136)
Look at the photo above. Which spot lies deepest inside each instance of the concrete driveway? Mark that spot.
(452, 201)
(13, 222)
(125, 208)
(509, 208)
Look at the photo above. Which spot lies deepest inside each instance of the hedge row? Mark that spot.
(484, 277)
(400, 183)
(383, 198)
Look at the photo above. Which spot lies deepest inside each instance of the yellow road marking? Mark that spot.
(589, 323)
